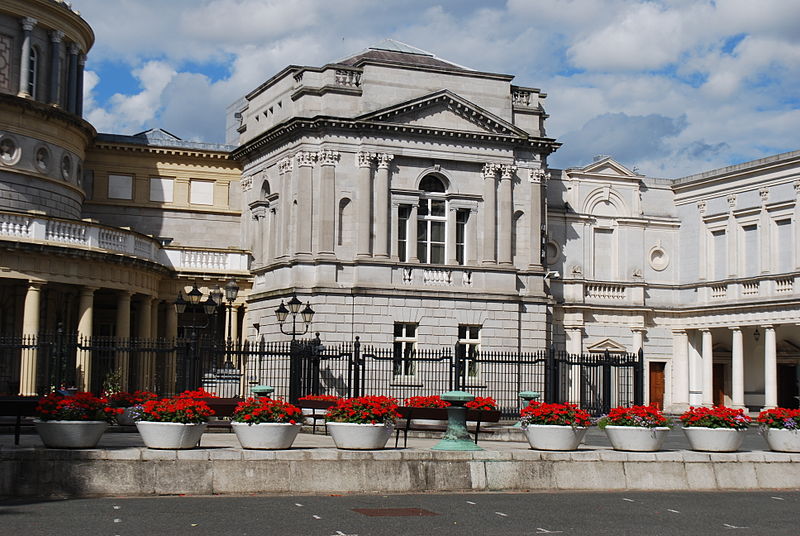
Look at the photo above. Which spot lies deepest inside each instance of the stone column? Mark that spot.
(737, 368)
(171, 333)
(154, 305)
(233, 319)
(708, 368)
(326, 230)
(770, 368)
(638, 339)
(55, 65)
(413, 254)
(143, 332)
(574, 346)
(25, 57)
(505, 214)
(451, 235)
(285, 169)
(303, 221)
(79, 88)
(472, 237)
(382, 184)
(83, 361)
(536, 179)
(680, 370)
(489, 213)
(30, 328)
(123, 334)
(364, 204)
(72, 77)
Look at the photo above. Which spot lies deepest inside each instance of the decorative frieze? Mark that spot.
(305, 158)
(347, 78)
(327, 157)
(246, 183)
(538, 175)
(522, 97)
(384, 160)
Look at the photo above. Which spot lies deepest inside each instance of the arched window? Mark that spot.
(33, 72)
(432, 221)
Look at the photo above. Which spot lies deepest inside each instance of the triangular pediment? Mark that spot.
(444, 110)
(607, 344)
(608, 167)
(788, 348)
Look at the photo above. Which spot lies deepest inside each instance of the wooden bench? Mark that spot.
(440, 414)
(318, 410)
(19, 407)
(223, 409)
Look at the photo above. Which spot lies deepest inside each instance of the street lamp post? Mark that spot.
(193, 301)
(295, 363)
(231, 291)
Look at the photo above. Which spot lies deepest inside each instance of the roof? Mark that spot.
(396, 52)
(157, 137)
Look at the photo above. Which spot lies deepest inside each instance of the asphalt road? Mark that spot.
(599, 513)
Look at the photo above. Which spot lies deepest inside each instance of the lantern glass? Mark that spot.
(210, 306)
(216, 295)
(194, 295)
(281, 312)
(180, 304)
(308, 314)
(231, 291)
(294, 305)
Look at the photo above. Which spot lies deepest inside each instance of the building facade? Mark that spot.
(408, 200)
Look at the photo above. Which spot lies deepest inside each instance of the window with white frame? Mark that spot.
(33, 72)
(403, 215)
(201, 192)
(432, 221)
(462, 216)
(120, 186)
(161, 189)
(467, 349)
(405, 342)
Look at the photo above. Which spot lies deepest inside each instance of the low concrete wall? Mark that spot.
(139, 471)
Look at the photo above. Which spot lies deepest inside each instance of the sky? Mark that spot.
(668, 87)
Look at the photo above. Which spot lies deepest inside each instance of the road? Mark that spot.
(506, 514)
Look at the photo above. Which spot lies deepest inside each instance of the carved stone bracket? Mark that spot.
(701, 206)
(731, 200)
(764, 193)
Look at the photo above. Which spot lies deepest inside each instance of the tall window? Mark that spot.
(784, 245)
(751, 252)
(462, 215)
(467, 348)
(403, 214)
(604, 255)
(432, 221)
(33, 72)
(720, 254)
(405, 340)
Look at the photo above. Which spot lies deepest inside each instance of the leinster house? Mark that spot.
(404, 198)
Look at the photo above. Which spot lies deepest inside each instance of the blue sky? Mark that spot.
(669, 87)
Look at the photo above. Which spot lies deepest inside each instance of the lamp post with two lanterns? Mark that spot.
(297, 361)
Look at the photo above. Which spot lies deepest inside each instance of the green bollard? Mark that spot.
(262, 391)
(456, 437)
(527, 396)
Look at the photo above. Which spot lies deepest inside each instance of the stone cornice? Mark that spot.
(49, 113)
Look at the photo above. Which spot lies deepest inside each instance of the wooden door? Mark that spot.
(787, 385)
(718, 392)
(657, 384)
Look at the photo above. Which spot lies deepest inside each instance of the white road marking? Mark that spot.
(732, 526)
(629, 500)
(118, 507)
(118, 520)
(316, 517)
(540, 530)
(673, 511)
(298, 504)
(340, 533)
(501, 514)
(470, 502)
(778, 498)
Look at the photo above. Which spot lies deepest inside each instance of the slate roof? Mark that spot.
(396, 52)
(157, 137)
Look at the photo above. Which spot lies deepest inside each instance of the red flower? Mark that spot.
(555, 414)
(365, 409)
(82, 406)
(260, 410)
(715, 417)
(482, 402)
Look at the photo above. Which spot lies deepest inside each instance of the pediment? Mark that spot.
(788, 348)
(607, 344)
(608, 167)
(444, 110)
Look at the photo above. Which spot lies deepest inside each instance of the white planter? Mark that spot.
(267, 435)
(360, 436)
(170, 435)
(126, 417)
(70, 434)
(714, 439)
(782, 440)
(636, 438)
(554, 437)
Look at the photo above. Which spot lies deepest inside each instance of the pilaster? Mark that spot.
(489, 210)
(364, 204)
(27, 24)
(326, 228)
(505, 216)
(382, 185)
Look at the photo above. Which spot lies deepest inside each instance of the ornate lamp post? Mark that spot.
(231, 291)
(296, 359)
(193, 302)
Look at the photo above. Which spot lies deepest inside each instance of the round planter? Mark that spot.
(70, 434)
(266, 435)
(360, 436)
(636, 438)
(714, 439)
(170, 435)
(782, 440)
(554, 437)
(126, 418)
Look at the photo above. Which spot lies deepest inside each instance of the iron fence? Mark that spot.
(596, 382)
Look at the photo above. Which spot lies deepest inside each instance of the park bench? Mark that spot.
(318, 410)
(19, 407)
(223, 409)
(440, 414)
